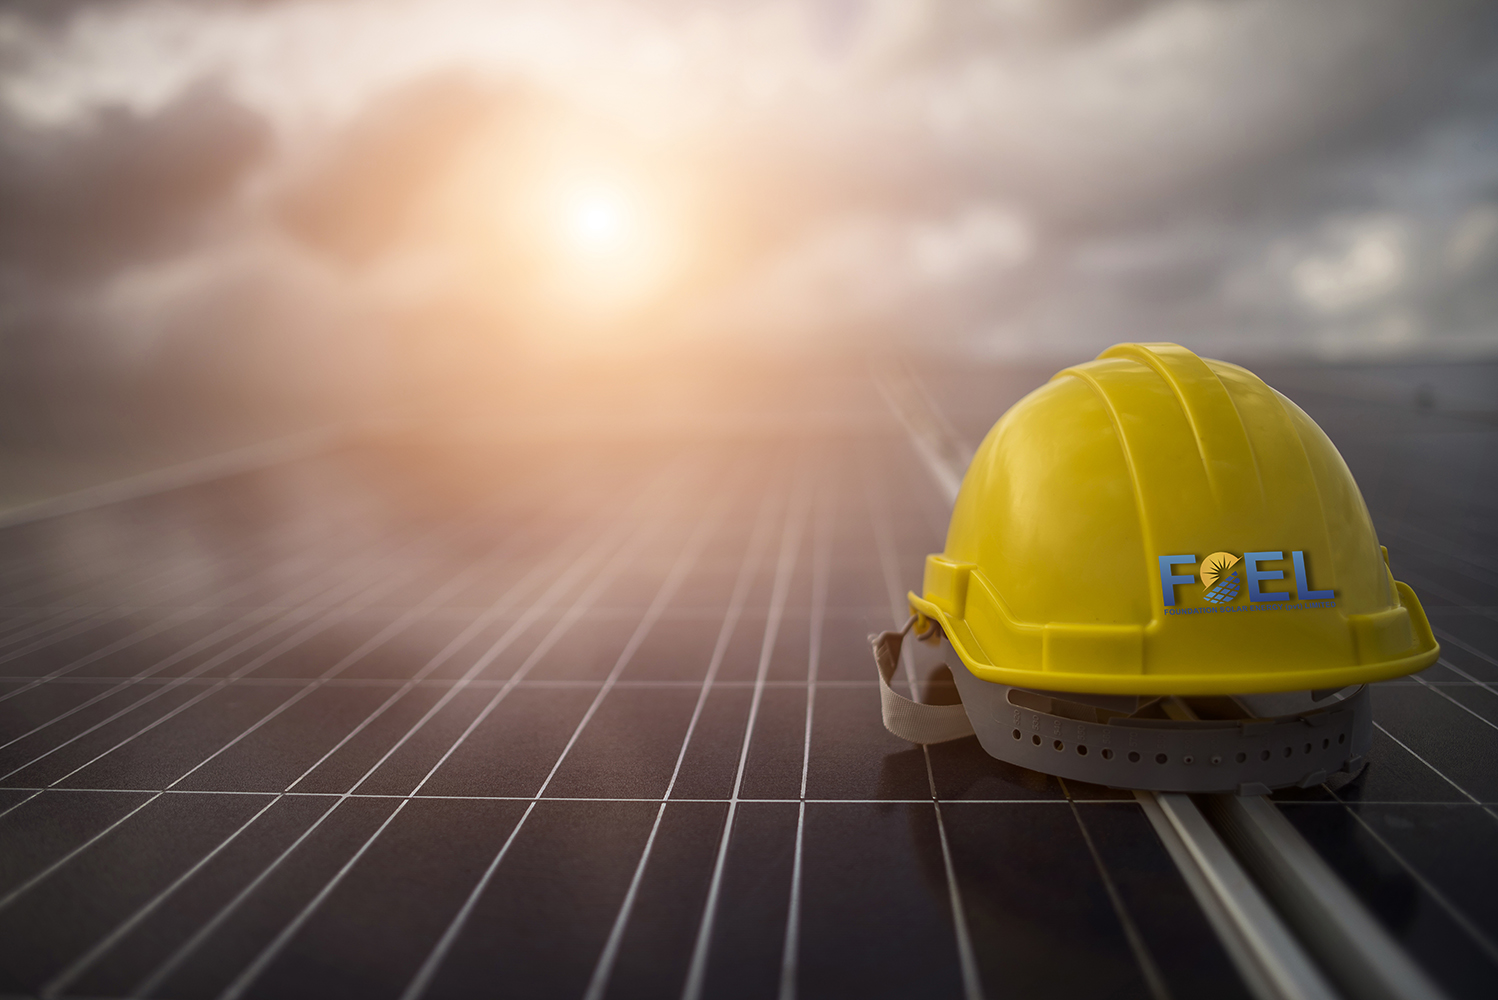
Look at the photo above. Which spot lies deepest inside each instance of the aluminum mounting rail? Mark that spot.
(1290, 926)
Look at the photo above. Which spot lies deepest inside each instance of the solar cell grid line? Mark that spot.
(172, 619)
(1433, 543)
(1474, 932)
(720, 800)
(820, 576)
(1424, 582)
(17, 596)
(1435, 770)
(76, 627)
(790, 545)
(749, 565)
(49, 619)
(242, 982)
(501, 604)
(1463, 674)
(178, 581)
(618, 534)
(573, 566)
(167, 578)
(68, 975)
(428, 604)
(218, 635)
(664, 594)
(422, 980)
(403, 621)
(21, 802)
(410, 616)
(335, 580)
(20, 619)
(41, 876)
(1437, 689)
(1147, 965)
(305, 593)
(45, 873)
(875, 500)
(595, 589)
(1446, 637)
(362, 591)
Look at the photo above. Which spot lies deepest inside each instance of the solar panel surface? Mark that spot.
(437, 717)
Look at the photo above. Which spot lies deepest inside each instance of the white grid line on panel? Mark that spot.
(1476, 715)
(428, 969)
(365, 587)
(607, 541)
(790, 545)
(242, 982)
(1436, 770)
(1474, 932)
(744, 580)
(505, 600)
(889, 563)
(821, 572)
(1445, 636)
(1142, 955)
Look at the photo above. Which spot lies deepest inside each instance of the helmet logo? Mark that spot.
(1222, 584)
(1219, 579)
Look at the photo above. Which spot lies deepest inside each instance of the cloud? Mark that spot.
(248, 181)
(114, 186)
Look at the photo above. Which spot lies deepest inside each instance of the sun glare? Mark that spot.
(599, 221)
(570, 234)
(612, 237)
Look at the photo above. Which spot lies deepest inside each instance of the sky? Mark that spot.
(299, 197)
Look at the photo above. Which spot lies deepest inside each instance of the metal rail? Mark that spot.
(1290, 926)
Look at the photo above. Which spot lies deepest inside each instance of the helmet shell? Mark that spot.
(1074, 557)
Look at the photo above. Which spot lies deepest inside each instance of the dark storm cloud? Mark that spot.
(118, 186)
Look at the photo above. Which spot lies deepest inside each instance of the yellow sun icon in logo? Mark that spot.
(1215, 565)
(1219, 567)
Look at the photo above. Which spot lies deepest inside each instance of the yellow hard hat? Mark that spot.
(1155, 523)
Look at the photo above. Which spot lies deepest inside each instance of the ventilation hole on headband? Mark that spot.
(1289, 751)
(1107, 754)
(1058, 745)
(1241, 757)
(1161, 758)
(1341, 738)
(1134, 756)
(1326, 743)
(1308, 748)
(1036, 740)
(1016, 734)
(1082, 749)
(1263, 754)
(1217, 758)
(1188, 759)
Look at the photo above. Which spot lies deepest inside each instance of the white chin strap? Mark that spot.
(912, 720)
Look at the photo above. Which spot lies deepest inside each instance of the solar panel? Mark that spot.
(407, 720)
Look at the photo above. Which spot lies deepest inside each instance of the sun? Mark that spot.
(611, 237)
(598, 221)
